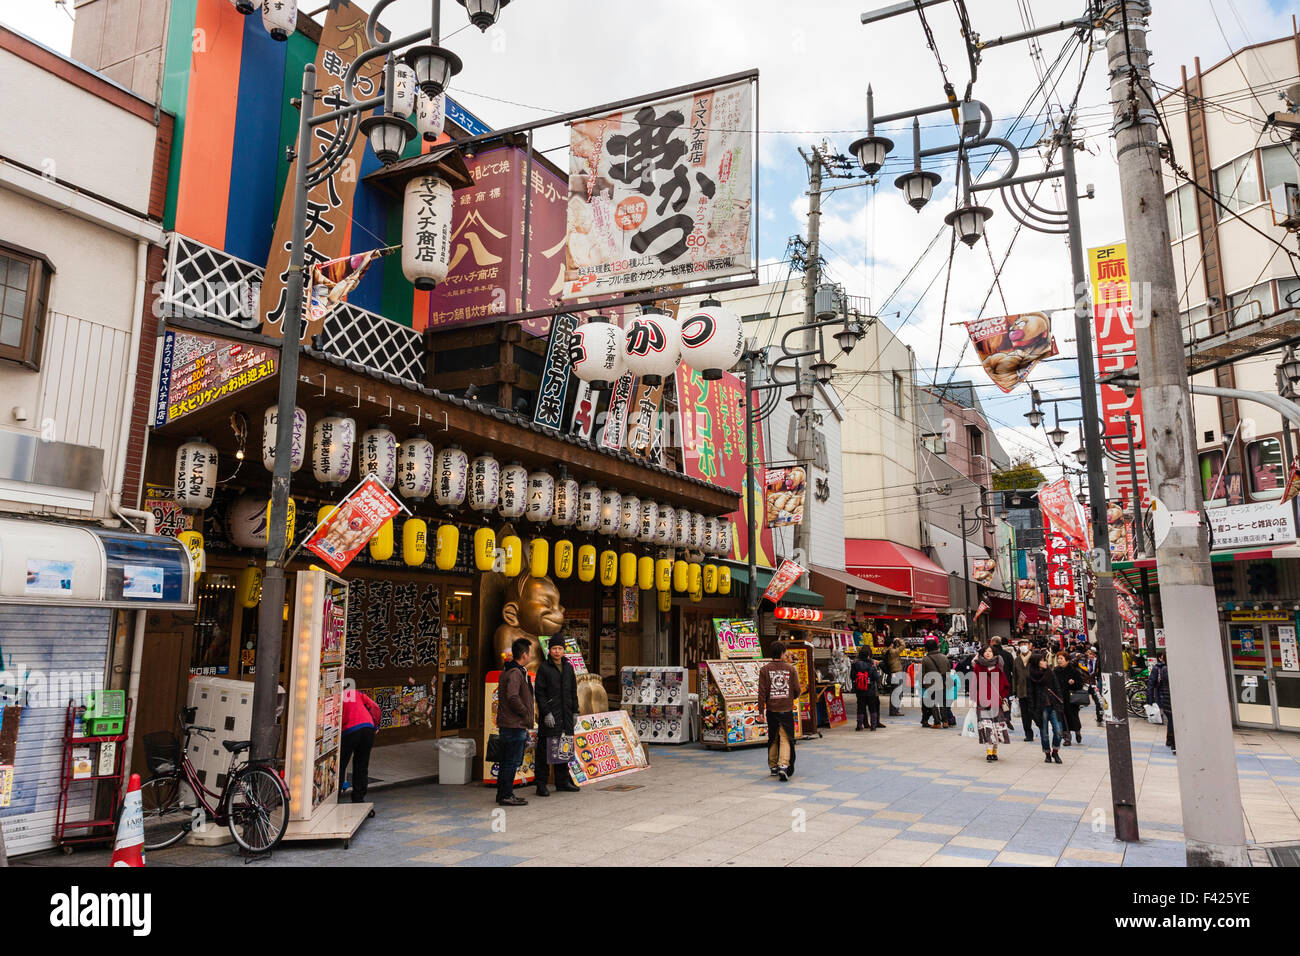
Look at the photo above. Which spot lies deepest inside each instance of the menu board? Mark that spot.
(605, 746)
(196, 370)
(729, 703)
(736, 638)
(801, 656)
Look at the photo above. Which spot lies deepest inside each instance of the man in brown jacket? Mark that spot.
(514, 718)
(778, 696)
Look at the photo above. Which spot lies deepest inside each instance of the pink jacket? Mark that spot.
(359, 711)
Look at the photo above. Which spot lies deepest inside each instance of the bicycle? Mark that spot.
(253, 803)
(1137, 697)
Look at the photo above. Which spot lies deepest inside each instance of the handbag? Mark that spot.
(994, 732)
(1080, 697)
(492, 752)
(559, 749)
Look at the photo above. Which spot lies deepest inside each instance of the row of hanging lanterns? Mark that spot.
(710, 339)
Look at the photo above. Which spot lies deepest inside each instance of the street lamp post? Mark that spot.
(387, 134)
(978, 522)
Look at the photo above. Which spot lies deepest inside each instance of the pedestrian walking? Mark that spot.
(990, 691)
(514, 718)
(1158, 693)
(1074, 683)
(1092, 666)
(934, 686)
(778, 695)
(866, 678)
(1047, 699)
(893, 667)
(556, 690)
(360, 718)
(1020, 687)
(1008, 659)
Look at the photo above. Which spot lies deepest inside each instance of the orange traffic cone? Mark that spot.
(129, 848)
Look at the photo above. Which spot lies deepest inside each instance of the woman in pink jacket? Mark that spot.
(360, 719)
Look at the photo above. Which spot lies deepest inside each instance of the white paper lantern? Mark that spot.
(280, 17)
(665, 525)
(430, 114)
(484, 483)
(629, 523)
(541, 497)
(713, 340)
(379, 455)
(426, 231)
(611, 510)
(453, 476)
(403, 89)
(196, 474)
(652, 346)
(246, 522)
(649, 522)
(333, 440)
(415, 468)
(270, 435)
(566, 503)
(514, 490)
(596, 352)
(724, 538)
(682, 529)
(695, 540)
(589, 507)
(709, 543)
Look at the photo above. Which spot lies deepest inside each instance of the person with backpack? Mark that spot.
(1047, 699)
(866, 679)
(1158, 694)
(934, 690)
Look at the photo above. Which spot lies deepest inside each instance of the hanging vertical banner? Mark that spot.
(982, 571)
(1061, 512)
(615, 417)
(644, 436)
(786, 489)
(663, 193)
(329, 204)
(332, 281)
(712, 419)
(583, 422)
(783, 580)
(1009, 346)
(1116, 351)
(555, 374)
(338, 539)
(1119, 528)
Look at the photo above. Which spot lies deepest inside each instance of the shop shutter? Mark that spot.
(49, 655)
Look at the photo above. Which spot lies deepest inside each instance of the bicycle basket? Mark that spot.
(162, 752)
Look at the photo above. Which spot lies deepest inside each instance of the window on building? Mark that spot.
(1211, 464)
(1236, 184)
(934, 443)
(1264, 460)
(1249, 305)
(24, 290)
(1195, 323)
(1288, 293)
(1181, 206)
(898, 395)
(1279, 165)
(976, 439)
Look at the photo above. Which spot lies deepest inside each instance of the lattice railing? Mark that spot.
(203, 282)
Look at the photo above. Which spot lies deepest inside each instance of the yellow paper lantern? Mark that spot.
(680, 576)
(586, 563)
(323, 514)
(645, 572)
(193, 542)
(710, 579)
(563, 559)
(609, 568)
(665, 601)
(627, 569)
(538, 557)
(415, 541)
(664, 574)
(514, 549)
(446, 547)
(249, 591)
(695, 579)
(485, 548)
(381, 545)
(724, 580)
(697, 593)
(289, 522)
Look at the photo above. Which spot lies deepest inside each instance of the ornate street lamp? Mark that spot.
(388, 136)
(483, 13)
(918, 185)
(968, 220)
(871, 150)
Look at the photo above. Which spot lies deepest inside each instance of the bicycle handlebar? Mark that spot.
(205, 730)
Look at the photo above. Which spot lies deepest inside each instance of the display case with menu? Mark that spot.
(728, 688)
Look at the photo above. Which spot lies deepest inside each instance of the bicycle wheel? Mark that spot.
(168, 805)
(1137, 699)
(259, 809)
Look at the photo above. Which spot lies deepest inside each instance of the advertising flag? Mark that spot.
(332, 281)
(982, 571)
(1061, 512)
(1009, 346)
(786, 490)
(352, 524)
(782, 581)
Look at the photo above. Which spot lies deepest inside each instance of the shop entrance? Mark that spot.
(1265, 674)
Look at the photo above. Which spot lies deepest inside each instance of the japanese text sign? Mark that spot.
(1009, 346)
(352, 524)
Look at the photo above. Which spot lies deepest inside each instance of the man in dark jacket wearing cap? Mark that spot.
(556, 690)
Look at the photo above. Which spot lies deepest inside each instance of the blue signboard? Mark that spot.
(465, 119)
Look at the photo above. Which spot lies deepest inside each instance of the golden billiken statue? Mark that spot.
(532, 609)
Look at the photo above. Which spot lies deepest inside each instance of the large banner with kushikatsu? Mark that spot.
(1009, 346)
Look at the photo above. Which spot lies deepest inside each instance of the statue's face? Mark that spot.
(540, 611)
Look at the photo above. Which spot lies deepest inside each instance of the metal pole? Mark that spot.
(1139, 537)
(811, 278)
(1109, 632)
(266, 728)
(1015, 569)
(1213, 824)
(965, 576)
(750, 423)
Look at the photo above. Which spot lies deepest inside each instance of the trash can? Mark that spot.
(455, 760)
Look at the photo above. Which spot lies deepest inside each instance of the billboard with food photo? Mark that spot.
(1009, 346)
(786, 490)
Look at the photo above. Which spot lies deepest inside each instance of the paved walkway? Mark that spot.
(902, 796)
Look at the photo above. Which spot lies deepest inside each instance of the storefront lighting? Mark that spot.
(196, 474)
(269, 434)
(611, 510)
(566, 503)
(453, 477)
(652, 346)
(378, 454)
(649, 522)
(589, 500)
(629, 524)
(514, 490)
(430, 115)
(596, 352)
(415, 542)
(279, 17)
(426, 231)
(381, 545)
(665, 525)
(415, 468)
(484, 483)
(713, 340)
(541, 497)
(563, 559)
(447, 546)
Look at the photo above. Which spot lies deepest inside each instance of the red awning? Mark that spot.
(898, 567)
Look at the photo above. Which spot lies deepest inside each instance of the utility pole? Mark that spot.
(805, 446)
(1207, 767)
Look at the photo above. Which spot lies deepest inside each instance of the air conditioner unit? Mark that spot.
(1285, 200)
